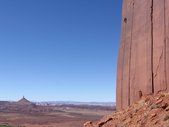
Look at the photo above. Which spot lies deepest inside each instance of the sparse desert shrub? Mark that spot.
(166, 117)
(4, 126)
(154, 106)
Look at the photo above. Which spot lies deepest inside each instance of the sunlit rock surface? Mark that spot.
(143, 65)
(149, 111)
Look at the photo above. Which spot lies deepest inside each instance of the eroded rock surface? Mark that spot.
(143, 65)
(149, 111)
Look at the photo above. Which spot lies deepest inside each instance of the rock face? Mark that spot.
(143, 65)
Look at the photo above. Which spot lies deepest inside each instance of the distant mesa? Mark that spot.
(24, 101)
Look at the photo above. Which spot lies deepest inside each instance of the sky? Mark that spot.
(59, 50)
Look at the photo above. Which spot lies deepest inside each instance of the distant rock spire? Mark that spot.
(24, 101)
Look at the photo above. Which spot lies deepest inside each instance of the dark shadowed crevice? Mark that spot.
(165, 45)
(124, 46)
(152, 46)
(129, 83)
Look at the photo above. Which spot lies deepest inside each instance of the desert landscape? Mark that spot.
(27, 114)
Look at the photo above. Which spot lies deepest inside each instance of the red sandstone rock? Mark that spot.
(143, 64)
(87, 124)
(143, 113)
(159, 101)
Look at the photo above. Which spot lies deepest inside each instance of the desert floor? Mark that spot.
(66, 117)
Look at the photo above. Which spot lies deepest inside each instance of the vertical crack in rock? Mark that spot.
(124, 46)
(165, 45)
(123, 53)
(129, 84)
(152, 46)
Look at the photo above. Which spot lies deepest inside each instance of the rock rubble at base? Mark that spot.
(149, 111)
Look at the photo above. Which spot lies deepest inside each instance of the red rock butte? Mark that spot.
(143, 64)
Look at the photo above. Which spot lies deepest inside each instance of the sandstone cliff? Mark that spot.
(143, 65)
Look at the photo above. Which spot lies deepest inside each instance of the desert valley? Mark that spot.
(24, 113)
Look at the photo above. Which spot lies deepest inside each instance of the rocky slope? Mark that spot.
(150, 111)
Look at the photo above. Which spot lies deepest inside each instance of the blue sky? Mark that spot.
(59, 50)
